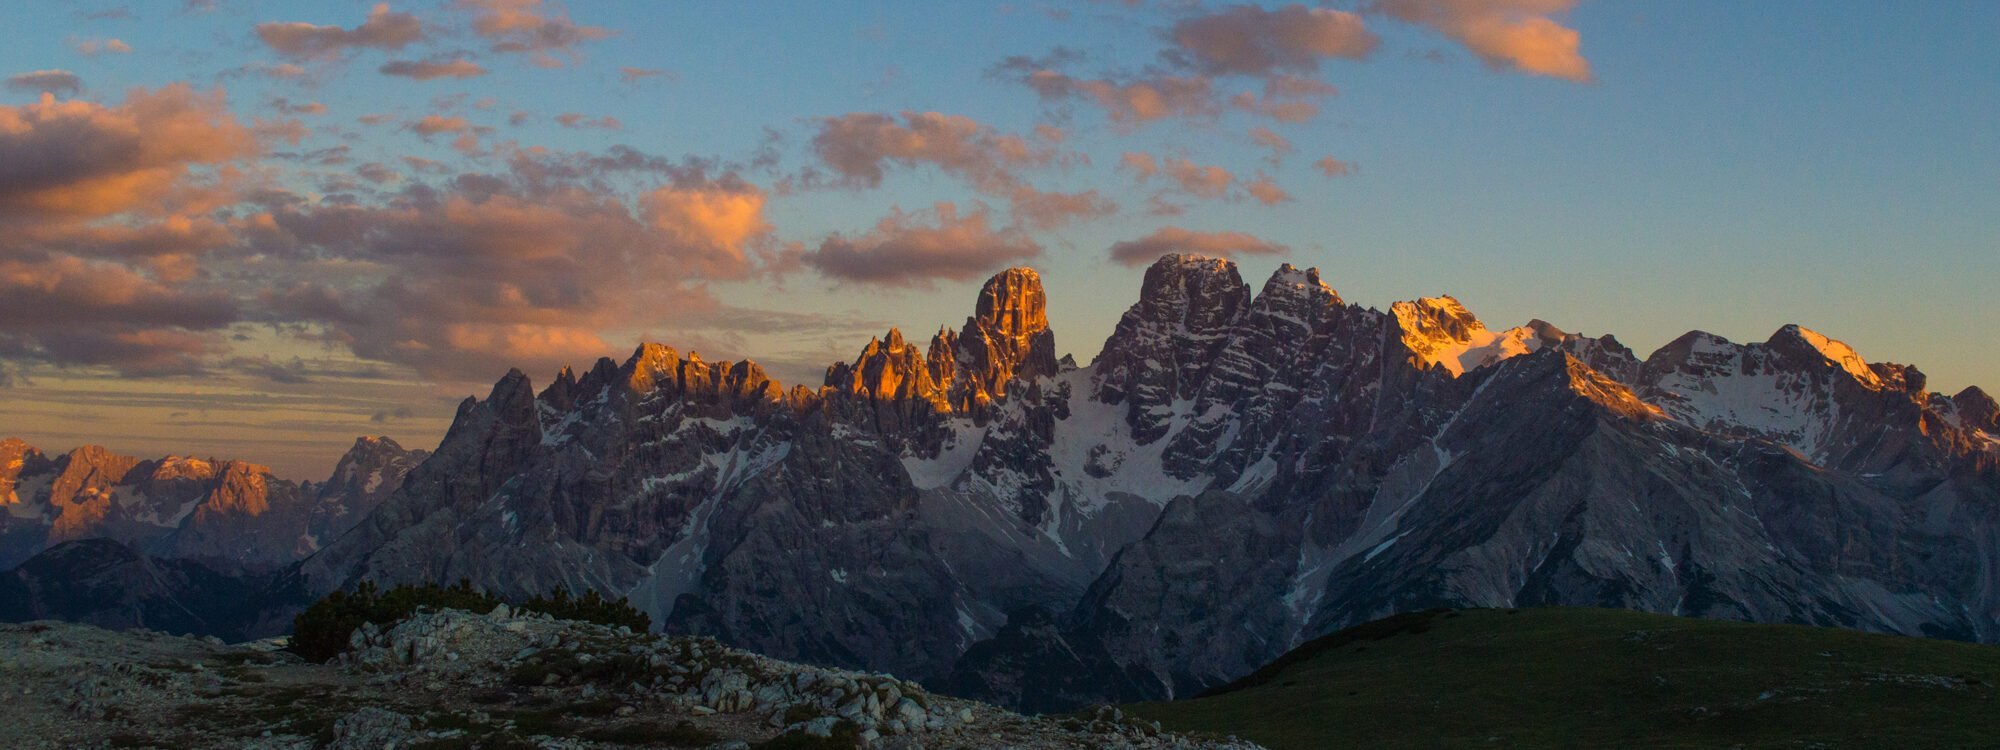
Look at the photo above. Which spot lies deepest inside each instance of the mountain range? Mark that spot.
(1237, 472)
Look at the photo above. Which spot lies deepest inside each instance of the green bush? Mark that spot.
(591, 607)
(322, 631)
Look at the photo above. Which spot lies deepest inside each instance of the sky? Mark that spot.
(259, 229)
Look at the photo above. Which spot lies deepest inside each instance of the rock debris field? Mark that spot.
(453, 679)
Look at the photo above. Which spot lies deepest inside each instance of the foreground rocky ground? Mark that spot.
(453, 679)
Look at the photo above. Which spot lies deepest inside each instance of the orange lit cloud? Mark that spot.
(712, 224)
(1505, 34)
(87, 159)
(529, 27)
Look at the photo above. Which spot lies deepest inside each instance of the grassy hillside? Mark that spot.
(1589, 678)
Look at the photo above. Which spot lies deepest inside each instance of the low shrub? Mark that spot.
(322, 631)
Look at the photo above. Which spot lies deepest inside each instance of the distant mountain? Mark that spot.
(230, 515)
(1236, 473)
(105, 583)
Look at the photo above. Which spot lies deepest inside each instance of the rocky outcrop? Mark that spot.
(500, 679)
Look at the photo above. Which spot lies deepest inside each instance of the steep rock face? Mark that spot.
(1007, 337)
(1233, 475)
(1165, 343)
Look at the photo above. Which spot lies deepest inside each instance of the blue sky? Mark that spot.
(1730, 167)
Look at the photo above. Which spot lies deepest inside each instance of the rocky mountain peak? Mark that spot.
(1289, 283)
(1007, 337)
(1440, 333)
(17, 457)
(1978, 409)
(1805, 343)
(513, 398)
(1165, 342)
(181, 467)
(647, 365)
(15, 449)
(1199, 295)
(1012, 303)
(1436, 319)
(560, 394)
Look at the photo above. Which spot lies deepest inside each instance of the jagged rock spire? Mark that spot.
(1007, 337)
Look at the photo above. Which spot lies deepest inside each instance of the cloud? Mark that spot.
(1042, 210)
(1280, 49)
(86, 159)
(1278, 145)
(1140, 163)
(69, 311)
(1505, 34)
(377, 173)
(859, 149)
(430, 125)
(1332, 167)
(384, 30)
(1131, 102)
(581, 122)
(635, 75)
(477, 272)
(306, 108)
(528, 27)
(1249, 40)
(425, 70)
(1168, 240)
(1266, 191)
(46, 81)
(1201, 181)
(95, 47)
(712, 224)
(903, 251)
(1184, 176)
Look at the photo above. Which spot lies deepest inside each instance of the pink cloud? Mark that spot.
(1505, 34)
(546, 35)
(1332, 167)
(902, 250)
(384, 29)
